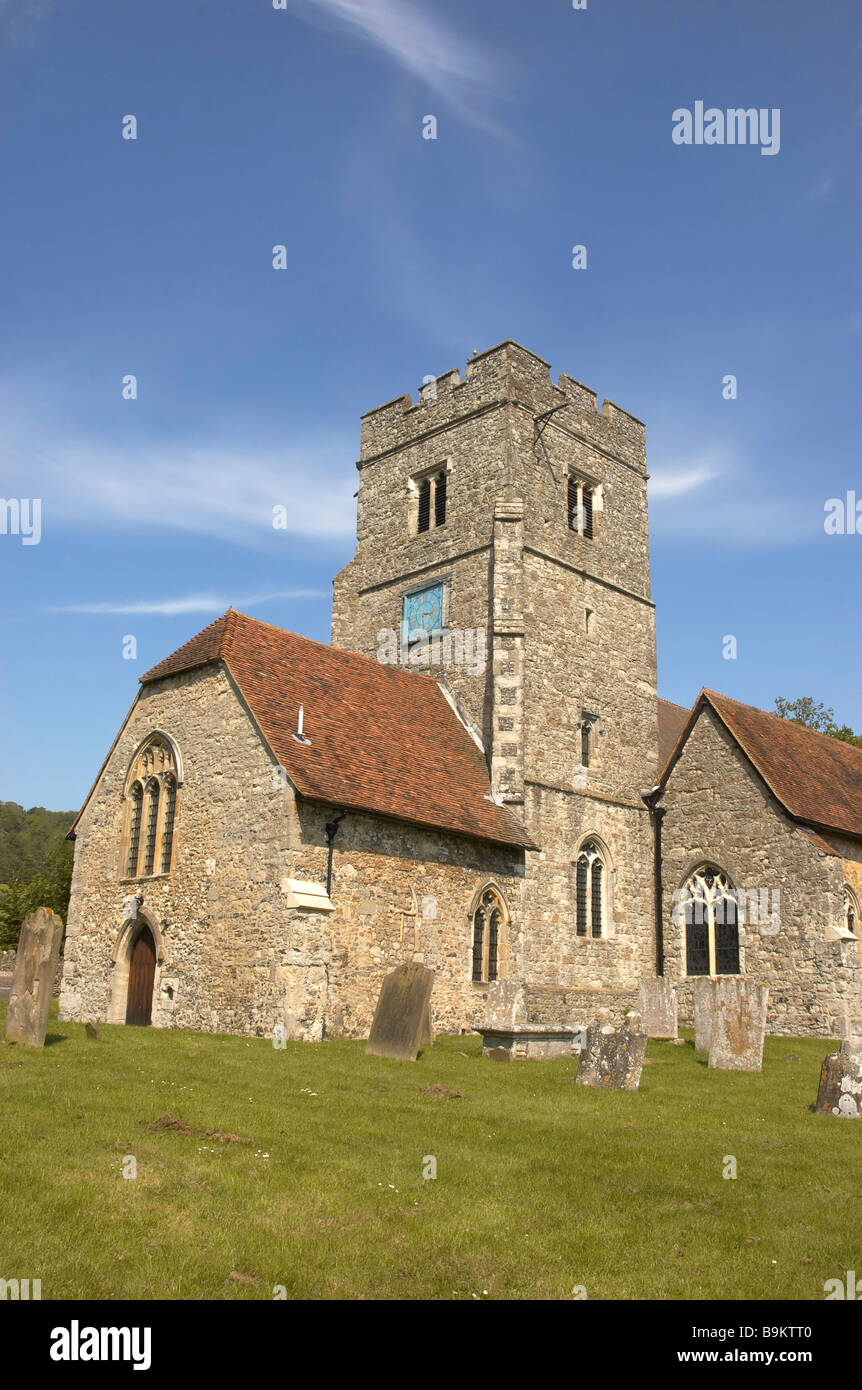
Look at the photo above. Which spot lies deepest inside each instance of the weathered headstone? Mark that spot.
(611, 1057)
(738, 1024)
(92, 1032)
(402, 1019)
(657, 1002)
(33, 978)
(840, 1089)
(505, 1004)
(704, 998)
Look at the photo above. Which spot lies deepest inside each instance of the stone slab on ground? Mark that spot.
(738, 1025)
(402, 1019)
(33, 978)
(657, 1002)
(613, 1058)
(528, 1041)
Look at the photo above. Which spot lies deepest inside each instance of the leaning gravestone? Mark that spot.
(738, 1024)
(657, 1003)
(840, 1089)
(704, 996)
(402, 1019)
(33, 978)
(610, 1057)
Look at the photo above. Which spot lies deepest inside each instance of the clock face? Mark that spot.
(423, 612)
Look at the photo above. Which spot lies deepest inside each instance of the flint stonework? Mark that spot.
(33, 978)
(840, 1089)
(613, 1058)
(402, 1019)
(657, 1002)
(738, 1024)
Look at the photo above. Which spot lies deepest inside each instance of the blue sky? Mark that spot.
(303, 127)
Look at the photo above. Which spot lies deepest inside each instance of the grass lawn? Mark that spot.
(541, 1185)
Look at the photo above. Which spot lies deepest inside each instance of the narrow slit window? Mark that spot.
(424, 517)
(587, 510)
(440, 500)
(136, 811)
(152, 826)
(168, 829)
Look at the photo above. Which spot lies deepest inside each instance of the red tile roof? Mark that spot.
(672, 719)
(382, 739)
(817, 778)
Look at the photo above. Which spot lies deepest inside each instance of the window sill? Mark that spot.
(146, 878)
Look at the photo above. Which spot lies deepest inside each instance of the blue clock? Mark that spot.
(423, 612)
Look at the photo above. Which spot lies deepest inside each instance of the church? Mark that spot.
(476, 774)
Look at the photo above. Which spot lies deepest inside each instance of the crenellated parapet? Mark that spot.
(505, 375)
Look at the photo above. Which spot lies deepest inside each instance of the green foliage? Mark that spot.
(35, 865)
(815, 715)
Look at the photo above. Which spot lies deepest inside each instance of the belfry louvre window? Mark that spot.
(150, 810)
(580, 507)
(488, 921)
(590, 882)
(431, 501)
(708, 907)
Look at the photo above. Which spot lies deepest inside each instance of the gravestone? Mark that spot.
(505, 1004)
(840, 1089)
(704, 992)
(402, 1019)
(610, 1057)
(738, 1024)
(657, 1002)
(33, 978)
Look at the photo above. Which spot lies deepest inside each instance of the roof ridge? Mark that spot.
(793, 723)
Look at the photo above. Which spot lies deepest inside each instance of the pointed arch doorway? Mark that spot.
(142, 974)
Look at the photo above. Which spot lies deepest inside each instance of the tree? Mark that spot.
(812, 714)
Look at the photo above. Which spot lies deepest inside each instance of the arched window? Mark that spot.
(151, 806)
(489, 916)
(708, 906)
(590, 891)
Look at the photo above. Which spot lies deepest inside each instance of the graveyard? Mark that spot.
(317, 1171)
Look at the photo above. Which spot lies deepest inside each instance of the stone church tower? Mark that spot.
(502, 541)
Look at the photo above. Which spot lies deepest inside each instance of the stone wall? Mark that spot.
(718, 810)
(231, 956)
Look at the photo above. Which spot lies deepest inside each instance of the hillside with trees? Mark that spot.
(35, 865)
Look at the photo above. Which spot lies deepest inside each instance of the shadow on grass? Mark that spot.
(52, 1038)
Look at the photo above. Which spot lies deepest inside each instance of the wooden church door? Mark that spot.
(142, 973)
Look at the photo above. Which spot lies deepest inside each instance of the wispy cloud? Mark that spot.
(677, 481)
(204, 489)
(190, 603)
(742, 514)
(421, 42)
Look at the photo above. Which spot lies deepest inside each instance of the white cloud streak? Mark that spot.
(424, 45)
(191, 603)
(206, 489)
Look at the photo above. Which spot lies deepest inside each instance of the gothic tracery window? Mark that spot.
(150, 810)
(708, 906)
(590, 891)
(488, 919)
